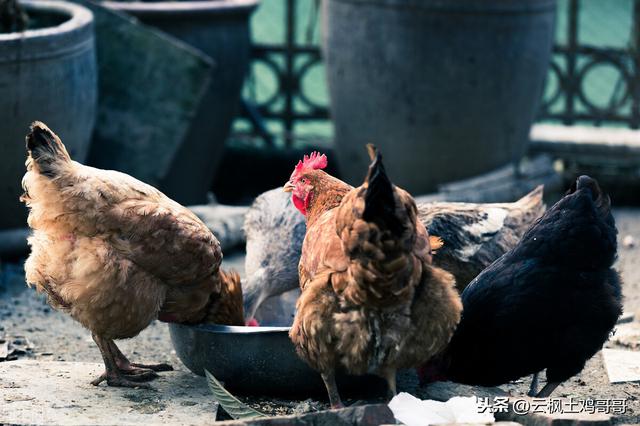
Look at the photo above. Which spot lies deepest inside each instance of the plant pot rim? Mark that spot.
(71, 37)
(79, 16)
(461, 6)
(171, 8)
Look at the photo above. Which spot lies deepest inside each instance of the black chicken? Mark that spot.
(549, 303)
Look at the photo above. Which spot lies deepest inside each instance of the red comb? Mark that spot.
(311, 162)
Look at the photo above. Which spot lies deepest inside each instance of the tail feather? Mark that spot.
(601, 200)
(380, 204)
(533, 200)
(377, 226)
(46, 149)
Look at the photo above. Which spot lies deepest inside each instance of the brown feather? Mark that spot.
(113, 251)
(371, 300)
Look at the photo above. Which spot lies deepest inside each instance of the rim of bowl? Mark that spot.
(237, 329)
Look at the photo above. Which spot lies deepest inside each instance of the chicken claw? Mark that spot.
(122, 373)
(121, 381)
(152, 367)
(137, 376)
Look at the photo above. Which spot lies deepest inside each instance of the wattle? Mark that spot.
(299, 204)
(302, 204)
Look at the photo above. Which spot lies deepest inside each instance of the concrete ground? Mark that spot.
(35, 392)
(56, 337)
(628, 223)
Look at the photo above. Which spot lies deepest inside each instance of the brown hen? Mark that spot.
(372, 302)
(116, 253)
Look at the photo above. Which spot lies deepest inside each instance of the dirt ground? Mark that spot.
(56, 337)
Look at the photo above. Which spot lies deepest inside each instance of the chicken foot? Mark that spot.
(119, 371)
(329, 380)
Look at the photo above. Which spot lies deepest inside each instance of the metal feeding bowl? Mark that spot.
(258, 361)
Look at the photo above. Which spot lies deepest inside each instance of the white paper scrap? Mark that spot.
(413, 411)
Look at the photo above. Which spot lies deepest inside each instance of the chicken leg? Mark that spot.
(390, 377)
(548, 389)
(125, 365)
(329, 380)
(533, 388)
(119, 371)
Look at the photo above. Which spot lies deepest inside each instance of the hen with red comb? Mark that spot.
(302, 183)
(371, 301)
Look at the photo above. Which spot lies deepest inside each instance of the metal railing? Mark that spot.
(566, 99)
(572, 64)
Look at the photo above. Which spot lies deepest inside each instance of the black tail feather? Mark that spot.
(45, 148)
(601, 200)
(380, 204)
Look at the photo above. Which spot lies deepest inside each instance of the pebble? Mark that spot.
(628, 242)
(307, 406)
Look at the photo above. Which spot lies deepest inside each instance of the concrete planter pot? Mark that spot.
(47, 74)
(446, 89)
(220, 29)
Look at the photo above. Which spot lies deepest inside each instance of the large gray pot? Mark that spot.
(446, 89)
(220, 29)
(46, 74)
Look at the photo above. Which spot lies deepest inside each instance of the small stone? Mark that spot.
(628, 242)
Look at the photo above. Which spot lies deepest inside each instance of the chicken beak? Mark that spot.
(288, 187)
